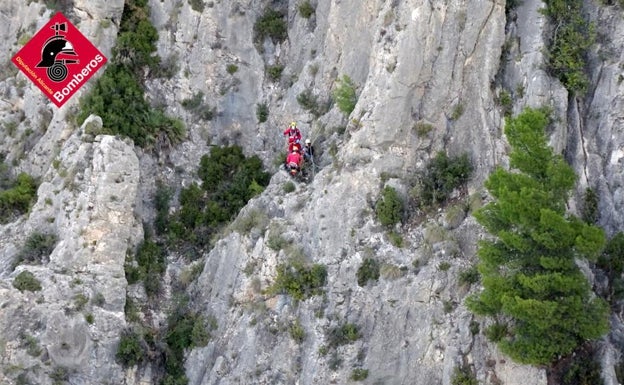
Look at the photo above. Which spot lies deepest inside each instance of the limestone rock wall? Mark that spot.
(413, 62)
(438, 63)
(73, 324)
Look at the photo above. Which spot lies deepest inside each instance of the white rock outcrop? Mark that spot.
(73, 324)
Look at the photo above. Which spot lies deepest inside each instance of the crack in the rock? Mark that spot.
(582, 139)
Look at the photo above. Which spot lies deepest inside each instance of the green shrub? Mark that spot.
(196, 105)
(6, 181)
(161, 204)
(297, 332)
(136, 42)
(130, 350)
(80, 300)
(151, 260)
(391, 272)
(530, 276)
(180, 331)
(469, 276)
(442, 175)
(308, 101)
(254, 189)
(612, 262)
(197, 5)
(229, 180)
(306, 10)
(582, 369)
(389, 207)
(570, 43)
(185, 330)
(506, 102)
(276, 242)
(89, 318)
(22, 379)
(612, 258)
(299, 281)
(150, 257)
(275, 72)
(132, 271)
(395, 238)
(37, 249)
(231, 69)
(359, 374)
(31, 344)
(26, 281)
(311, 103)
(474, 327)
(60, 375)
(254, 219)
(463, 376)
(131, 311)
(496, 332)
(423, 129)
(444, 266)
(149, 267)
(11, 126)
(200, 334)
(342, 335)
(271, 24)
(262, 112)
(16, 196)
(193, 102)
(589, 211)
(63, 6)
(455, 215)
(368, 270)
(23, 39)
(345, 96)
(458, 111)
(227, 175)
(289, 187)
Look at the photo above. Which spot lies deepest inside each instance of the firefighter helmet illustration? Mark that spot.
(56, 53)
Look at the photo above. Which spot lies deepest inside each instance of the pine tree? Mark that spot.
(531, 283)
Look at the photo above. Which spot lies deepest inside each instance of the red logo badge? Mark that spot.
(59, 59)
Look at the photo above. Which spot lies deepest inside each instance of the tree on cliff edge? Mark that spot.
(542, 303)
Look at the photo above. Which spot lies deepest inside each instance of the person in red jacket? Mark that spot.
(293, 161)
(292, 144)
(293, 134)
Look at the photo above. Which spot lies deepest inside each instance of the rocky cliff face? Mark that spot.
(442, 63)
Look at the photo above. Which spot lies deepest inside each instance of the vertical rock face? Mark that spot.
(439, 65)
(414, 62)
(72, 326)
(598, 140)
